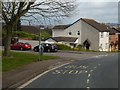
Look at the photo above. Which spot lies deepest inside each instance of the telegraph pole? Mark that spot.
(40, 46)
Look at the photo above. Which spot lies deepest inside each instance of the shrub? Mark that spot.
(79, 47)
(63, 47)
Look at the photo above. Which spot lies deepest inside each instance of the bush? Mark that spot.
(63, 47)
(79, 47)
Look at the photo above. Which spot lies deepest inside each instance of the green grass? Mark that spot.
(26, 35)
(0, 61)
(0, 53)
(20, 59)
(44, 35)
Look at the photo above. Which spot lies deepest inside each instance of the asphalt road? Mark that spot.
(97, 72)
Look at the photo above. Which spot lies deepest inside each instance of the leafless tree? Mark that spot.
(13, 10)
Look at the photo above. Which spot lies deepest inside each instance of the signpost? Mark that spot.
(40, 46)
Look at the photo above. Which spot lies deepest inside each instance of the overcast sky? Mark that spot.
(105, 11)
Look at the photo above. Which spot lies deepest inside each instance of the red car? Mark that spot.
(21, 46)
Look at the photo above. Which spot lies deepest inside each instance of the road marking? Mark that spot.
(38, 76)
(99, 64)
(98, 56)
(88, 87)
(88, 75)
(88, 81)
(91, 70)
(95, 67)
(72, 60)
(86, 71)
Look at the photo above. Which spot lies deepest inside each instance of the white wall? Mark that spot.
(90, 33)
(104, 41)
(57, 32)
(73, 29)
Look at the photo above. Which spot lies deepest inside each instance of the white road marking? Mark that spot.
(91, 70)
(88, 80)
(95, 67)
(72, 60)
(86, 71)
(98, 56)
(88, 87)
(99, 64)
(30, 81)
(88, 75)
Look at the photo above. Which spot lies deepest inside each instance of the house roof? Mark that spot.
(118, 29)
(61, 27)
(30, 29)
(100, 27)
(115, 31)
(65, 39)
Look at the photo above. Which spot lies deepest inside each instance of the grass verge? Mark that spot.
(19, 59)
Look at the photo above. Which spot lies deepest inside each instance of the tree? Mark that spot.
(13, 10)
(19, 25)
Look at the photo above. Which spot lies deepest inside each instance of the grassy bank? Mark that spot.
(19, 59)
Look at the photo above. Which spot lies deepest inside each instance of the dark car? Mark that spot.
(47, 47)
(21, 46)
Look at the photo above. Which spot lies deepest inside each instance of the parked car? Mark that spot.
(47, 47)
(21, 46)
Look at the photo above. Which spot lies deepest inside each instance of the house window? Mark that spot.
(78, 33)
(70, 33)
(101, 34)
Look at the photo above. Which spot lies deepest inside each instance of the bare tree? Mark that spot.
(13, 10)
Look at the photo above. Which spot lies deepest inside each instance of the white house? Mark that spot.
(90, 34)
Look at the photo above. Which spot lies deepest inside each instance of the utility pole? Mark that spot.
(40, 46)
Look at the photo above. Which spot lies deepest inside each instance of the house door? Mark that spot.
(86, 44)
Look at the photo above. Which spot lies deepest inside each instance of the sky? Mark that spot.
(104, 11)
(99, 10)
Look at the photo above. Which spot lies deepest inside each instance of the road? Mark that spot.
(96, 72)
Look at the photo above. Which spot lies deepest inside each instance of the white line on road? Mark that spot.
(98, 56)
(88, 87)
(88, 75)
(88, 81)
(86, 71)
(91, 70)
(95, 67)
(30, 81)
(99, 64)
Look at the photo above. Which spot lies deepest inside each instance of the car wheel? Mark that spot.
(56, 50)
(48, 50)
(35, 49)
(21, 49)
